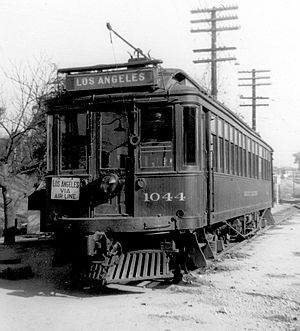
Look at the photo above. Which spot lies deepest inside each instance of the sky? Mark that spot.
(73, 33)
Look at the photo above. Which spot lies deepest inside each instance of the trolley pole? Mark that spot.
(214, 18)
(254, 98)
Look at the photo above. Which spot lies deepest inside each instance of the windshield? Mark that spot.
(105, 132)
(73, 133)
(113, 148)
(106, 135)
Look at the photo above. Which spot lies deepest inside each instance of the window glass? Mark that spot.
(156, 147)
(227, 154)
(252, 159)
(263, 164)
(225, 130)
(236, 155)
(214, 148)
(244, 156)
(236, 139)
(249, 172)
(260, 163)
(221, 154)
(220, 127)
(236, 152)
(232, 150)
(232, 158)
(240, 160)
(189, 135)
(73, 141)
(114, 139)
(156, 125)
(49, 142)
(221, 144)
(269, 166)
(213, 124)
(231, 133)
(256, 161)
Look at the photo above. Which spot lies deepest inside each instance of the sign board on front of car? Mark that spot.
(111, 79)
(65, 188)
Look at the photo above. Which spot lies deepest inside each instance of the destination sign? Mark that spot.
(113, 79)
(63, 188)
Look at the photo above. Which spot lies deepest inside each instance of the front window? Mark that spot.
(73, 130)
(49, 143)
(156, 148)
(214, 147)
(113, 150)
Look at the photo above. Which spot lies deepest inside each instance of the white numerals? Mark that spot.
(180, 196)
(167, 197)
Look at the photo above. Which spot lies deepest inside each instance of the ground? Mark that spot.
(254, 287)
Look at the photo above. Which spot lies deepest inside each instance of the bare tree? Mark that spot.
(21, 117)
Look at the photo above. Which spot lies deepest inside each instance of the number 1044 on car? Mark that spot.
(167, 197)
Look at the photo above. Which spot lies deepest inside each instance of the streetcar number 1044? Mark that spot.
(167, 197)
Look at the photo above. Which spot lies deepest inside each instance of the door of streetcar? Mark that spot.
(211, 161)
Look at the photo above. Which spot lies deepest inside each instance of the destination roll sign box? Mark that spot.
(111, 79)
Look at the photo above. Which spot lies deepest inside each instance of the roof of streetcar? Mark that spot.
(172, 81)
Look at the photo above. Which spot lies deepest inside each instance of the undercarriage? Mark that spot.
(115, 258)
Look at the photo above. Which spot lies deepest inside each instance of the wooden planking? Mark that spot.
(112, 262)
(139, 266)
(91, 271)
(165, 264)
(133, 264)
(145, 271)
(152, 269)
(99, 270)
(119, 268)
(125, 269)
(158, 264)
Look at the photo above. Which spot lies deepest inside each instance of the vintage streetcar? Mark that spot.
(148, 174)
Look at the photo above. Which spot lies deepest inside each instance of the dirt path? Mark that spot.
(256, 287)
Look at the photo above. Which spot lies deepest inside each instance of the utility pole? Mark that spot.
(254, 98)
(213, 29)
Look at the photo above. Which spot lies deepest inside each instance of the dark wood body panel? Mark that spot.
(124, 224)
(178, 191)
(235, 196)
